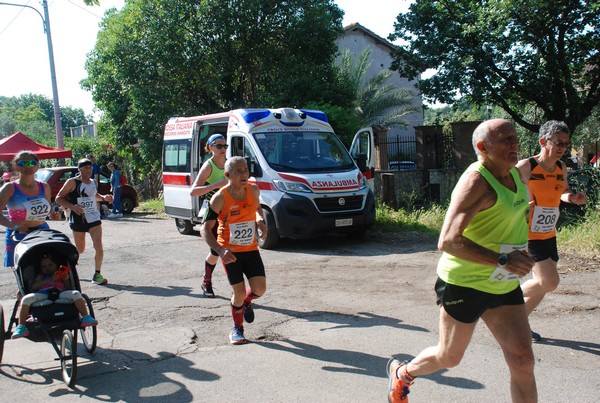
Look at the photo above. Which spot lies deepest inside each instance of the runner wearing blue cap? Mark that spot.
(210, 179)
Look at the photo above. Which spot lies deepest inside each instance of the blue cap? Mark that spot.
(214, 137)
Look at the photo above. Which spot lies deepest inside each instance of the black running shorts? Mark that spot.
(80, 226)
(467, 304)
(247, 263)
(543, 249)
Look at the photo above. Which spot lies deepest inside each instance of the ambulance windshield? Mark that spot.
(300, 151)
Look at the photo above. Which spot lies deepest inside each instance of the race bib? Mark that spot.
(203, 211)
(37, 209)
(544, 219)
(89, 208)
(242, 233)
(501, 274)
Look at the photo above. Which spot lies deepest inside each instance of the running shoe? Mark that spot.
(397, 387)
(208, 290)
(535, 336)
(99, 279)
(20, 331)
(88, 320)
(237, 336)
(248, 312)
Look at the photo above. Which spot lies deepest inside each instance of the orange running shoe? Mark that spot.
(397, 388)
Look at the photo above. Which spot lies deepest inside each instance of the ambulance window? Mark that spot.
(241, 148)
(177, 155)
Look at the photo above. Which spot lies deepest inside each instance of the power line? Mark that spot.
(84, 9)
(16, 16)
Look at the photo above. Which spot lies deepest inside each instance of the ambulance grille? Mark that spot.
(332, 204)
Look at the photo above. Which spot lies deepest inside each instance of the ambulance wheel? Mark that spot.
(272, 239)
(2, 333)
(184, 227)
(68, 360)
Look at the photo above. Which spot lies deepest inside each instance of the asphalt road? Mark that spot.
(334, 312)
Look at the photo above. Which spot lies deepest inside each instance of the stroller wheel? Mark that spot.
(2, 333)
(89, 334)
(68, 359)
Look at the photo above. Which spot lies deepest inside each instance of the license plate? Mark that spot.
(344, 222)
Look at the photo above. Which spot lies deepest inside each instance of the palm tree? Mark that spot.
(375, 102)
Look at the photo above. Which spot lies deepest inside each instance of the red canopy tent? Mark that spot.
(11, 145)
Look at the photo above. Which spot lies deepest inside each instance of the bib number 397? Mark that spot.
(544, 219)
(242, 233)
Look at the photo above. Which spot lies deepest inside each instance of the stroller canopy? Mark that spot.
(44, 241)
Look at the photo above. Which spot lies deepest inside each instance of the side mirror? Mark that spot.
(361, 161)
(253, 167)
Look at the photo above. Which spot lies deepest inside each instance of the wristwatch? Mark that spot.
(502, 260)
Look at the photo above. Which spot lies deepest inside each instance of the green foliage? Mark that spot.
(34, 115)
(152, 205)
(426, 222)
(162, 58)
(344, 122)
(461, 111)
(583, 237)
(375, 101)
(540, 53)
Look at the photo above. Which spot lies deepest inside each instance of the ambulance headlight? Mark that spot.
(286, 186)
(363, 182)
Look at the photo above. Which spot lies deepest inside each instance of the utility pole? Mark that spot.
(46, 22)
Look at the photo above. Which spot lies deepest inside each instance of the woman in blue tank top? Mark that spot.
(28, 202)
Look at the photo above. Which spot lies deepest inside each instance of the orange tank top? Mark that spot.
(545, 189)
(237, 222)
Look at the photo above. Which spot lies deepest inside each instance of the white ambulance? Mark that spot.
(309, 183)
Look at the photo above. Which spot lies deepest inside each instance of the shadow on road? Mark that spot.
(586, 347)
(355, 362)
(134, 379)
(167, 291)
(336, 320)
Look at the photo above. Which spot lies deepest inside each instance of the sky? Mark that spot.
(24, 61)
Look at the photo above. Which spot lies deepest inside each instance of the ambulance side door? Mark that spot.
(362, 151)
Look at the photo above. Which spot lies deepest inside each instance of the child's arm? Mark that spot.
(67, 282)
(39, 283)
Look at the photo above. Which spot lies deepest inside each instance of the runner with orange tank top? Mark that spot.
(236, 209)
(546, 177)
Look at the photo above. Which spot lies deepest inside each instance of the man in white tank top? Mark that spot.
(80, 195)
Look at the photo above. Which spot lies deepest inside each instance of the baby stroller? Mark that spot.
(54, 320)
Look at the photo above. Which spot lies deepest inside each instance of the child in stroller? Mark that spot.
(52, 280)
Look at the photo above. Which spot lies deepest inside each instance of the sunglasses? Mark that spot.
(27, 163)
(220, 146)
(560, 144)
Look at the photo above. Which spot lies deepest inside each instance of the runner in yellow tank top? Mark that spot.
(237, 209)
(210, 179)
(545, 176)
(483, 233)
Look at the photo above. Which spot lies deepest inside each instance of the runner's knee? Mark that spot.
(521, 359)
(449, 359)
(549, 283)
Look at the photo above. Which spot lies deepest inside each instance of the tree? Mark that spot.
(537, 53)
(162, 58)
(375, 102)
(34, 114)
